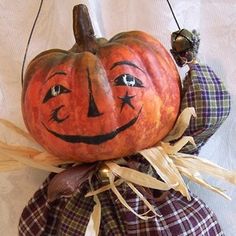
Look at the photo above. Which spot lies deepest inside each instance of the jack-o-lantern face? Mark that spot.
(109, 104)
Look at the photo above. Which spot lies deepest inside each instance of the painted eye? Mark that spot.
(128, 80)
(54, 91)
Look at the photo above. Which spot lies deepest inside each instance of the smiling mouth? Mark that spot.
(96, 139)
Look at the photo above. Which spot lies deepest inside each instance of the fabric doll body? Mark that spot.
(70, 216)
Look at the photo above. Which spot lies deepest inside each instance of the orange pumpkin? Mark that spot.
(101, 99)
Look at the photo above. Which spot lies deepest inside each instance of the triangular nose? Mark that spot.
(93, 109)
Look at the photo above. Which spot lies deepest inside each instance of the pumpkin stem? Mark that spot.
(83, 29)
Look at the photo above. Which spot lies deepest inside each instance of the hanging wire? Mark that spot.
(29, 39)
(173, 14)
(32, 30)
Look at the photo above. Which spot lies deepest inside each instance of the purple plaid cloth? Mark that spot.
(70, 216)
(204, 91)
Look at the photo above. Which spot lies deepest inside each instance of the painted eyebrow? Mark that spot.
(56, 73)
(129, 63)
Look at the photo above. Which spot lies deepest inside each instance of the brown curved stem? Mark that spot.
(83, 29)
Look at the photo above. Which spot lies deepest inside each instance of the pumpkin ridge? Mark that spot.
(148, 47)
(47, 52)
(129, 41)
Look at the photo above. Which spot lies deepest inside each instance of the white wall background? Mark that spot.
(216, 21)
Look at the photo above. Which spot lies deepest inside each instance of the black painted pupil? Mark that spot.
(128, 80)
(55, 90)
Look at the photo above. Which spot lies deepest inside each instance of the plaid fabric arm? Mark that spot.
(204, 91)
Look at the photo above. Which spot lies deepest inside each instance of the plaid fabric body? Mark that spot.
(70, 216)
(204, 91)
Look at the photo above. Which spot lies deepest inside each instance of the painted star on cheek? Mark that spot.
(126, 100)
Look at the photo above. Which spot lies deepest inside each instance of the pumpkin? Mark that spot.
(101, 99)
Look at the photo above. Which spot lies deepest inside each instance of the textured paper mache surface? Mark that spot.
(215, 20)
